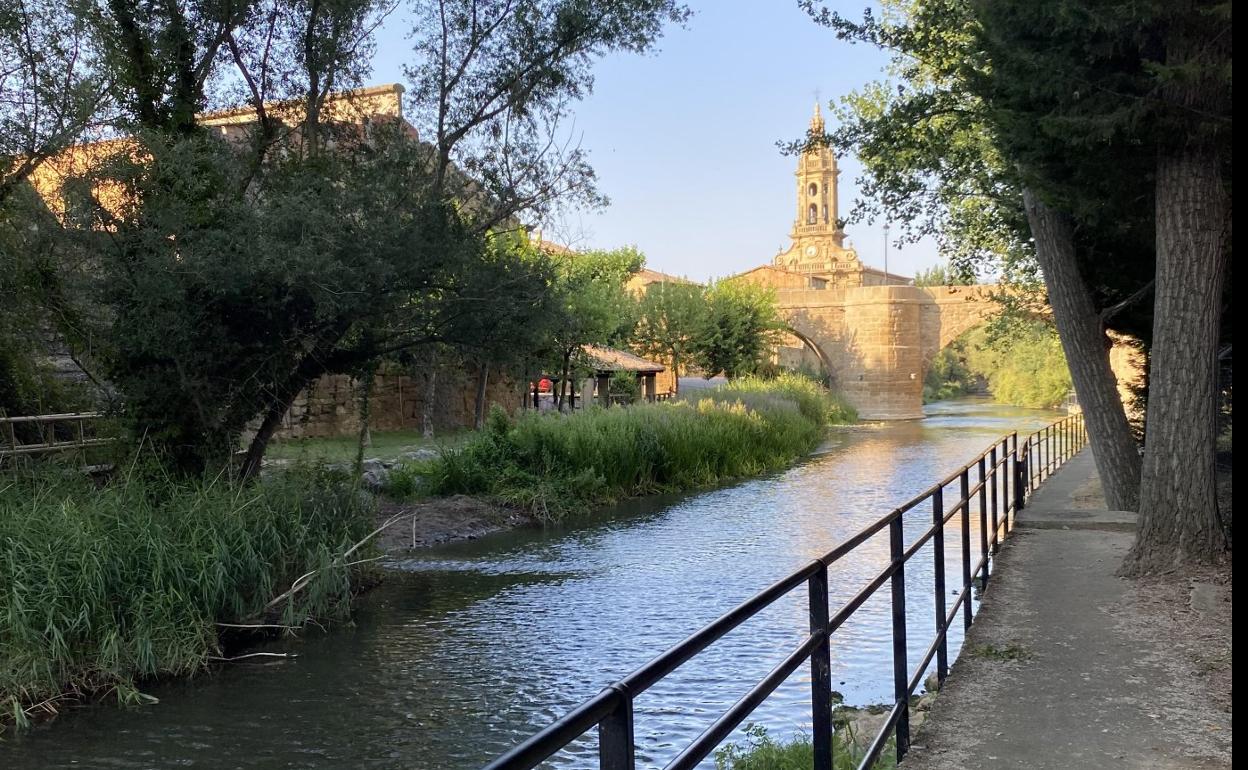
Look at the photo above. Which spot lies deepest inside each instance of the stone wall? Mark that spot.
(330, 407)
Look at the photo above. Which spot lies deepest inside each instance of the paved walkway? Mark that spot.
(1065, 667)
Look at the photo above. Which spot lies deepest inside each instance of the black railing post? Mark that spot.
(965, 479)
(996, 482)
(1011, 459)
(983, 524)
(1020, 481)
(901, 685)
(821, 672)
(615, 736)
(938, 577)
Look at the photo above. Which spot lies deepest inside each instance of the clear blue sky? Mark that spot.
(684, 140)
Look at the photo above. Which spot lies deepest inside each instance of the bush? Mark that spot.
(105, 587)
(1023, 365)
(552, 465)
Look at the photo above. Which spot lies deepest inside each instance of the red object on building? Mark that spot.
(543, 384)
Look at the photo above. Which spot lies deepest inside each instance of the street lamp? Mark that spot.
(886, 276)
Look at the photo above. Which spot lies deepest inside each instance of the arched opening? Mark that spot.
(813, 190)
(812, 214)
(800, 353)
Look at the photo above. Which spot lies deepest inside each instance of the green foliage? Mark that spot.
(595, 307)
(105, 587)
(939, 275)
(740, 327)
(984, 98)
(671, 317)
(763, 752)
(555, 465)
(1022, 364)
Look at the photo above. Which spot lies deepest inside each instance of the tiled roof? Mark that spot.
(606, 359)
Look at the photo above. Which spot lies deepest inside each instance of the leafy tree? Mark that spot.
(233, 273)
(594, 306)
(939, 275)
(740, 328)
(670, 318)
(1107, 107)
(51, 93)
(935, 160)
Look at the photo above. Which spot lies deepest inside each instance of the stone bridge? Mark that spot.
(876, 342)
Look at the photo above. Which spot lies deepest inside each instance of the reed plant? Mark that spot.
(103, 587)
(553, 465)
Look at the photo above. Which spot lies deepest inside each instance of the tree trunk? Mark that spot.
(1087, 348)
(260, 442)
(675, 374)
(364, 408)
(431, 392)
(563, 381)
(1179, 519)
(483, 379)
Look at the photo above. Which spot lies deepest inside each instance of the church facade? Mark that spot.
(818, 256)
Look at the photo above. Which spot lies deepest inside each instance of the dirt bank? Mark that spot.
(440, 520)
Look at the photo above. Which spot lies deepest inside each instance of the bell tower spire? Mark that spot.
(818, 240)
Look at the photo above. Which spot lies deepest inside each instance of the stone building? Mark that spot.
(818, 247)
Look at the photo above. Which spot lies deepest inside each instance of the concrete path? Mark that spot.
(1065, 666)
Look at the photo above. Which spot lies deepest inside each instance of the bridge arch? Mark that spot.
(809, 344)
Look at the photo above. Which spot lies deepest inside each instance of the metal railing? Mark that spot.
(998, 481)
(45, 428)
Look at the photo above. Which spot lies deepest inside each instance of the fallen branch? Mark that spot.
(254, 655)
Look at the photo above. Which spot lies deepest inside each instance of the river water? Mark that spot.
(468, 648)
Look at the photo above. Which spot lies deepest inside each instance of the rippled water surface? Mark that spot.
(469, 648)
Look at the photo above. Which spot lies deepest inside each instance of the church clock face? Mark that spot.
(811, 251)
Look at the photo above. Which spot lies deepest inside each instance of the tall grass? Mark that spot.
(103, 587)
(551, 465)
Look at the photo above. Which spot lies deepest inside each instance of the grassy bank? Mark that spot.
(386, 445)
(760, 751)
(553, 465)
(103, 587)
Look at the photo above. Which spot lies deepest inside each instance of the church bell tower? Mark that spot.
(818, 242)
(816, 191)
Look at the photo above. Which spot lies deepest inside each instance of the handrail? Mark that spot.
(45, 426)
(1002, 484)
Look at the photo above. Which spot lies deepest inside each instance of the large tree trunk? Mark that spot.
(483, 381)
(1179, 519)
(1087, 353)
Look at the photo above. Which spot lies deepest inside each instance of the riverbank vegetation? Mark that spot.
(761, 751)
(552, 466)
(140, 578)
(1022, 366)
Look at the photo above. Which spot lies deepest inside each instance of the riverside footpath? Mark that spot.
(1068, 666)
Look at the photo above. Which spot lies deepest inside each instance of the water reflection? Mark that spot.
(473, 646)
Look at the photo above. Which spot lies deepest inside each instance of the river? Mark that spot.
(468, 648)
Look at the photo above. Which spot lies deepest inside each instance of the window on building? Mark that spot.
(812, 214)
